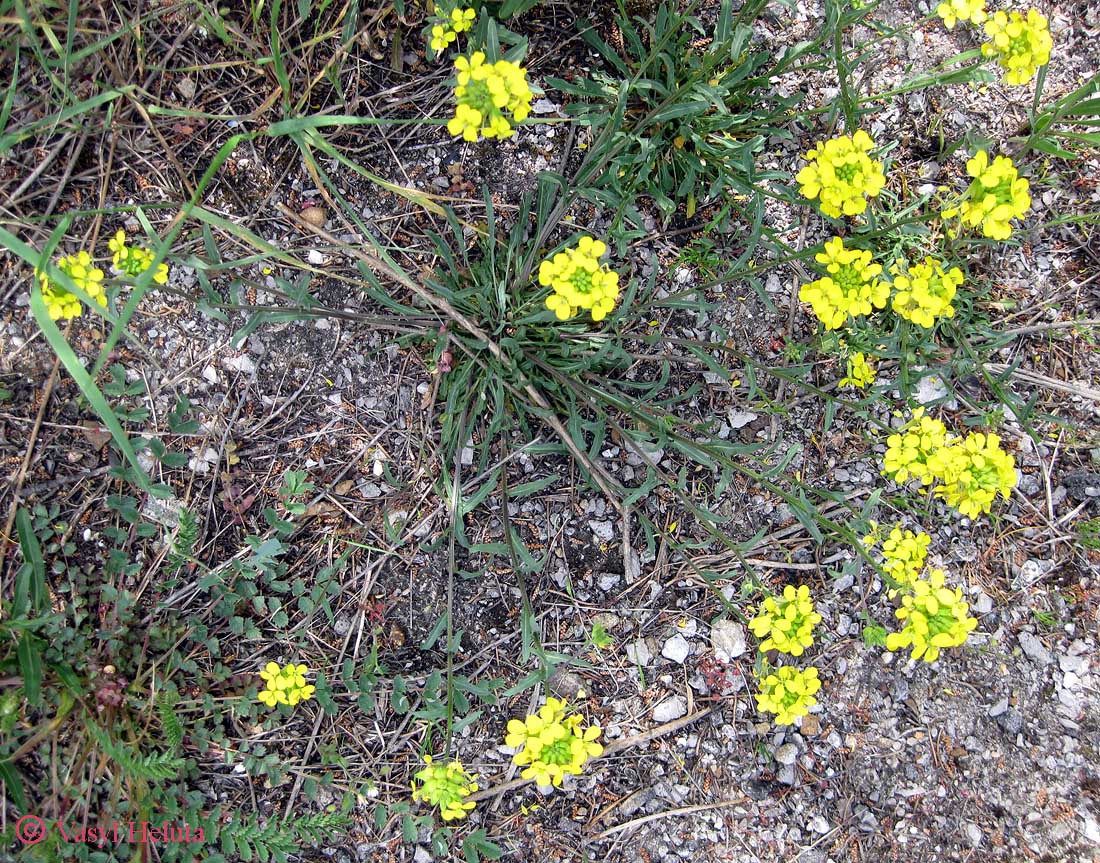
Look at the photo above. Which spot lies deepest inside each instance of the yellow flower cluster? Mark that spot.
(911, 453)
(850, 289)
(786, 623)
(842, 175)
(788, 693)
(554, 742)
(974, 471)
(484, 93)
(971, 471)
(996, 195)
(446, 786)
(924, 291)
(1021, 45)
(60, 304)
(860, 372)
(578, 281)
(935, 617)
(286, 685)
(134, 260)
(961, 10)
(444, 34)
(904, 553)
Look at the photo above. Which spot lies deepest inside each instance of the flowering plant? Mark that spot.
(554, 743)
(457, 21)
(134, 260)
(961, 10)
(60, 304)
(788, 692)
(578, 280)
(935, 617)
(923, 292)
(484, 93)
(446, 786)
(860, 372)
(1021, 45)
(842, 175)
(996, 195)
(786, 623)
(910, 452)
(285, 685)
(850, 289)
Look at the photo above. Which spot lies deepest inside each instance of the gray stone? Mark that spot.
(670, 709)
(728, 636)
(1012, 721)
(1035, 649)
(1076, 664)
(973, 834)
(998, 708)
(639, 652)
(604, 530)
(677, 649)
(786, 774)
(786, 754)
(983, 604)
(819, 825)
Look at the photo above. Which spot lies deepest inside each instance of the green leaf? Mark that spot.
(477, 845)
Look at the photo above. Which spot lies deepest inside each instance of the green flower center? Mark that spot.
(1019, 46)
(558, 752)
(848, 172)
(478, 97)
(849, 277)
(582, 281)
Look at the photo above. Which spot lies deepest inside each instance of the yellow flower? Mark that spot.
(484, 93)
(850, 289)
(924, 291)
(912, 452)
(935, 617)
(903, 554)
(974, 471)
(1021, 45)
(60, 304)
(578, 281)
(446, 786)
(285, 685)
(462, 19)
(554, 743)
(786, 623)
(134, 260)
(961, 10)
(860, 372)
(996, 195)
(842, 175)
(441, 37)
(789, 693)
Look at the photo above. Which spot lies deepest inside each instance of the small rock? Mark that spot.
(1034, 648)
(819, 825)
(315, 257)
(786, 774)
(607, 620)
(543, 106)
(604, 530)
(609, 580)
(670, 709)
(639, 652)
(1012, 721)
(421, 855)
(786, 754)
(811, 725)
(1076, 664)
(315, 216)
(739, 419)
(677, 649)
(973, 834)
(983, 604)
(210, 374)
(998, 708)
(728, 636)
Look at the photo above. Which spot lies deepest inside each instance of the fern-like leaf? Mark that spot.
(183, 546)
(151, 767)
(173, 728)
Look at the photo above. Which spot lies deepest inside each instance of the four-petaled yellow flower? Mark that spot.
(973, 472)
(850, 289)
(485, 92)
(904, 553)
(912, 452)
(787, 622)
(935, 617)
(285, 685)
(996, 195)
(578, 281)
(961, 10)
(554, 742)
(842, 175)
(788, 693)
(446, 786)
(134, 260)
(860, 372)
(444, 33)
(923, 292)
(1021, 45)
(60, 304)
